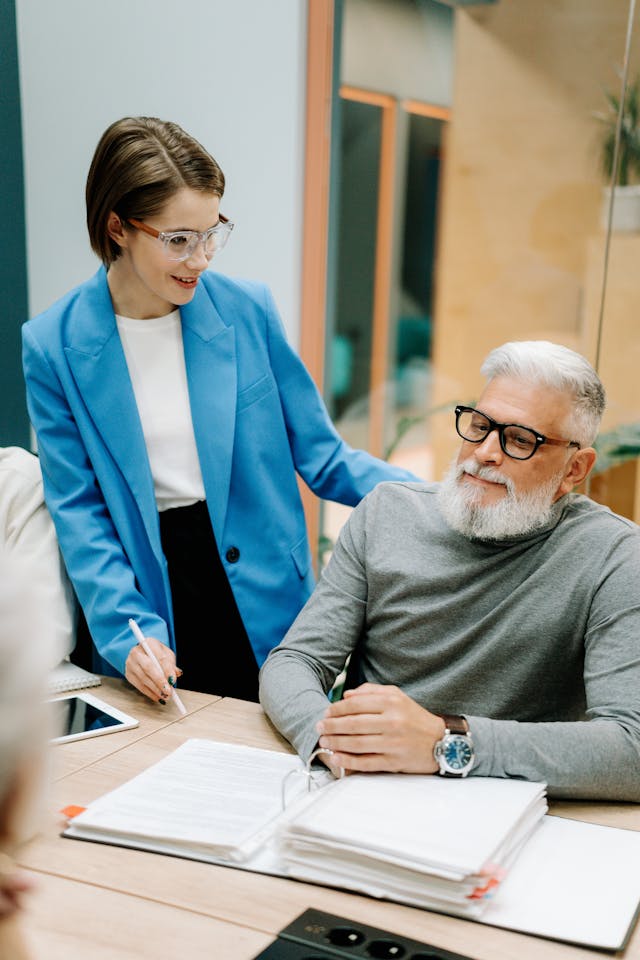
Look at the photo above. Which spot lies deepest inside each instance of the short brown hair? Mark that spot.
(139, 163)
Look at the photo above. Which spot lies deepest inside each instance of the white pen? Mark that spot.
(138, 634)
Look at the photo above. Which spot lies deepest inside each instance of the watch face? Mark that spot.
(457, 753)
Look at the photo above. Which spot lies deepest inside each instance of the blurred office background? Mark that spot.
(417, 181)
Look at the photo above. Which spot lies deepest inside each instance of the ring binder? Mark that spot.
(479, 848)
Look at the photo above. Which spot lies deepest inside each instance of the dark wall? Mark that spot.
(14, 423)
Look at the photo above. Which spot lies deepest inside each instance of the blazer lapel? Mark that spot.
(96, 358)
(210, 357)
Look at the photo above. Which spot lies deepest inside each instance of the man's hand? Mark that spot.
(142, 672)
(378, 727)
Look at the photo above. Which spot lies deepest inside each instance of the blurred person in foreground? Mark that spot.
(24, 665)
(492, 619)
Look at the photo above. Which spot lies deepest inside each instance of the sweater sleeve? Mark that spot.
(298, 674)
(598, 757)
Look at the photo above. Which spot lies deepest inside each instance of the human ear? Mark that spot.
(578, 469)
(116, 229)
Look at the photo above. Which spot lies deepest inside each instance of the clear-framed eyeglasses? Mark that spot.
(179, 245)
(517, 441)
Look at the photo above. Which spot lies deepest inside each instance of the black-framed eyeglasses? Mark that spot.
(518, 442)
(179, 245)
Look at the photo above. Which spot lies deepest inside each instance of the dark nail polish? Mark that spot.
(172, 681)
(163, 702)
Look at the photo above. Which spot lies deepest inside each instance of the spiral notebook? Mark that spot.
(69, 676)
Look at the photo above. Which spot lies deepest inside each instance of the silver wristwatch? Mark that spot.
(454, 753)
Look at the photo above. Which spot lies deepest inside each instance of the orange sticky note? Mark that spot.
(72, 811)
(485, 891)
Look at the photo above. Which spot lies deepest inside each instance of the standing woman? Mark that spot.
(172, 417)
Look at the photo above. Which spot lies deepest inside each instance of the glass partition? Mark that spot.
(495, 217)
(355, 239)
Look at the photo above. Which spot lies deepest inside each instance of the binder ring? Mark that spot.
(307, 772)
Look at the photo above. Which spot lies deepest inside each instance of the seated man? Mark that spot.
(493, 620)
(28, 537)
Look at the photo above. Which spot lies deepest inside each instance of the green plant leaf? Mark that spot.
(617, 446)
(629, 150)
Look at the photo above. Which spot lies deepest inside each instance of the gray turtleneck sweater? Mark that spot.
(536, 640)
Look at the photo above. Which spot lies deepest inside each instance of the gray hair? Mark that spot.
(550, 365)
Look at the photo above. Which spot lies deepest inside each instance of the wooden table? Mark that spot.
(98, 902)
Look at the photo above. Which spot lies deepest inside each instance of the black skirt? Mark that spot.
(212, 646)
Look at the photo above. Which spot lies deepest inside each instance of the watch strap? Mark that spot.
(455, 723)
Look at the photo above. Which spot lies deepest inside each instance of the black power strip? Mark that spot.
(315, 935)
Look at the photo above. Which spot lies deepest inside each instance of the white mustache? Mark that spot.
(484, 473)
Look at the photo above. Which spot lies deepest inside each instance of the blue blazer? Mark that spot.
(258, 420)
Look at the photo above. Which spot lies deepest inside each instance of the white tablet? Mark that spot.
(82, 715)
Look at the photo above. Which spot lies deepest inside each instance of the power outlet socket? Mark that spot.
(316, 935)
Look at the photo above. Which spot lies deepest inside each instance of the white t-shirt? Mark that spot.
(155, 358)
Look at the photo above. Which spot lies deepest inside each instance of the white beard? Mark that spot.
(514, 515)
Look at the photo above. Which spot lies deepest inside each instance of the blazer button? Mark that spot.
(233, 554)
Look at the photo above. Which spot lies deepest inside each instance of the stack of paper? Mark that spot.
(209, 801)
(432, 842)
(478, 848)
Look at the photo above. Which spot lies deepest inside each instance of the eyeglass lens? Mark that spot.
(517, 442)
(181, 246)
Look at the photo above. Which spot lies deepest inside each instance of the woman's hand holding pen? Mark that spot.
(141, 671)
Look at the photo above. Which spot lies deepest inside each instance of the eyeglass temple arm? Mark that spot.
(141, 225)
(562, 443)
